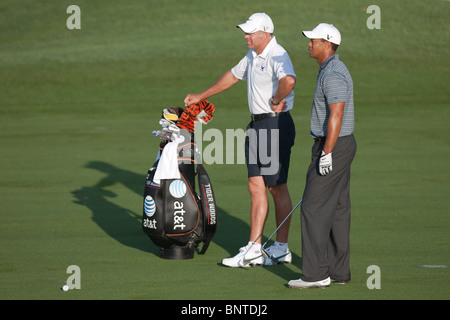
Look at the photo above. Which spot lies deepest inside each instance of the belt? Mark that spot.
(320, 139)
(261, 116)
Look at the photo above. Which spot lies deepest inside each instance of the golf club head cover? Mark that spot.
(172, 114)
(202, 111)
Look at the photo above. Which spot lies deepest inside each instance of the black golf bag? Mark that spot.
(177, 216)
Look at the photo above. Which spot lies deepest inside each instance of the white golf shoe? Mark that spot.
(248, 256)
(277, 255)
(300, 284)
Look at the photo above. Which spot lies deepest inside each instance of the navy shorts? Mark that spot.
(268, 148)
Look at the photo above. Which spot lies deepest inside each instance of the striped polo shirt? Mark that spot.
(334, 84)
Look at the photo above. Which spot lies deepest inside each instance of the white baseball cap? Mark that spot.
(324, 31)
(257, 22)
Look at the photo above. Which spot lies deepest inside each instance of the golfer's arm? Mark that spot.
(285, 86)
(334, 125)
(225, 82)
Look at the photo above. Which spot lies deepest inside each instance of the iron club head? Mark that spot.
(264, 253)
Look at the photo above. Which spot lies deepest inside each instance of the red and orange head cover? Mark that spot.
(202, 111)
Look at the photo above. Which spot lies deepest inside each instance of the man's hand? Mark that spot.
(192, 99)
(278, 107)
(285, 86)
(325, 164)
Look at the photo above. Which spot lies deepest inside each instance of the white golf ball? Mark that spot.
(65, 287)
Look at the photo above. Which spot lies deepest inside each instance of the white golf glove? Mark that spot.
(325, 164)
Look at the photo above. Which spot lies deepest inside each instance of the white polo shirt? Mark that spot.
(262, 73)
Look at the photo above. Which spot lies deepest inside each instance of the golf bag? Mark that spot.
(177, 216)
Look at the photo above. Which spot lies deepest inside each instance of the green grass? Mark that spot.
(77, 108)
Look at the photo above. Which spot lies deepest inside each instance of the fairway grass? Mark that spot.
(77, 108)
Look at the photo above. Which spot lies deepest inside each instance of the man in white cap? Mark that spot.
(270, 78)
(325, 211)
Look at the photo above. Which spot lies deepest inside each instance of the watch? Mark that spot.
(271, 102)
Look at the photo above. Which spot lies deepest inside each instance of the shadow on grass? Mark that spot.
(124, 225)
(121, 224)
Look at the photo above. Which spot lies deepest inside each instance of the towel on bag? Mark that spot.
(168, 162)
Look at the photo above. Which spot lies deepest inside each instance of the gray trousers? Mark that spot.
(325, 215)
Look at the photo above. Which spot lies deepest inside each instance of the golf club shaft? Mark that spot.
(282, 223)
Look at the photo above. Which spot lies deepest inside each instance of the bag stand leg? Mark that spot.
(176, 253)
